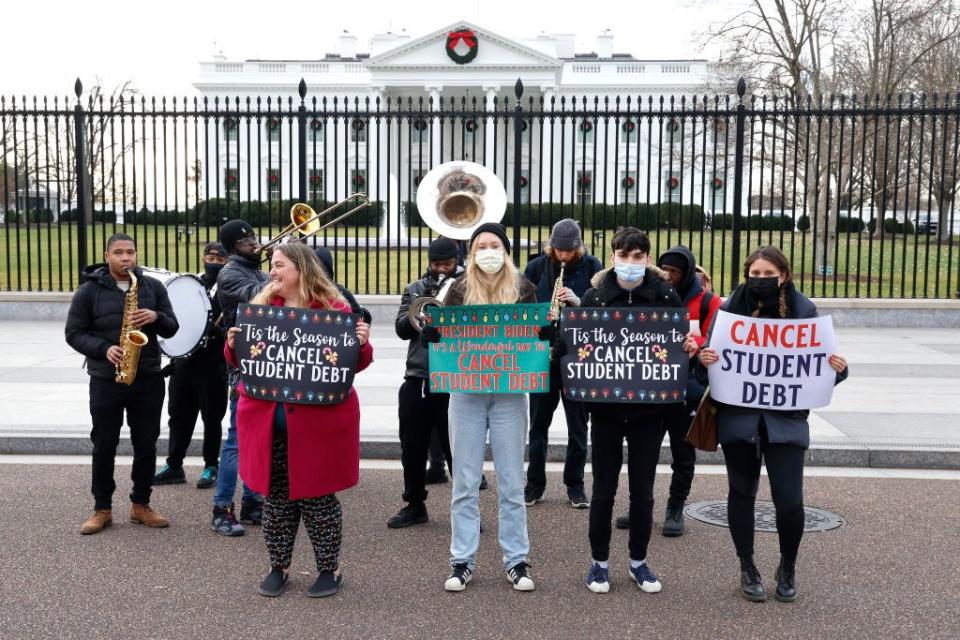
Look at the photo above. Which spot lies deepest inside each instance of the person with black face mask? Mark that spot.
(198, 385)
(780, 438)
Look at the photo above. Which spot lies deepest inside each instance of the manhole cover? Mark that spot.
(765, 516)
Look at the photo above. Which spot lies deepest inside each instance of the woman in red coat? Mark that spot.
(323, 456)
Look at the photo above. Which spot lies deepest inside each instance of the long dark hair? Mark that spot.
(774, 256)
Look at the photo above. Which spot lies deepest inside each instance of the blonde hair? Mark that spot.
(315, 286)
(502, 287)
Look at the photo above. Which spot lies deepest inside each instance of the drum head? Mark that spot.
(192, 307)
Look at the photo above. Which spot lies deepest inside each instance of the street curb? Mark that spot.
(888, 457)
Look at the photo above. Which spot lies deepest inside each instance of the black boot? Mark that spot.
(786, 581)
(410, 515)
(673, 520)
(750, 586)
(251, 511)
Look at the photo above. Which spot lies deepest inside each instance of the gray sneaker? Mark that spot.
(225, 523)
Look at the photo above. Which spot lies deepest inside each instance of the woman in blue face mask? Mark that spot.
(780, 438)
(631, 282)
(490, 277)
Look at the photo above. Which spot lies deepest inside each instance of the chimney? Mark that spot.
(605, 44)
(565, 43)
(348, 45)
(382, 42)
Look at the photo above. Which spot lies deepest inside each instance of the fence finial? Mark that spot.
(78, 87)
(518, 89)
(741, 88)
(302, 89)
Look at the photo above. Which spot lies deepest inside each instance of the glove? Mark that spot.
(548, 332)
(428, 335)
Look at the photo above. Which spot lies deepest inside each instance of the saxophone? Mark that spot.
(131, 339)
(555, 303)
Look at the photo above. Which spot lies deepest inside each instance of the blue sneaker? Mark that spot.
(208, 478)
(598, 579)
(645, 579)
(169, 475)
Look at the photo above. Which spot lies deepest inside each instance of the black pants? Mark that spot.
(196, 388)
(643, 452)
(785, 470)
(143, 402)
(542, 408)
(678, 420)
(438, 456)
(420, 413)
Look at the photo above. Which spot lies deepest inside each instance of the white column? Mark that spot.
(549, 93)
(435, 123)
(490, 140)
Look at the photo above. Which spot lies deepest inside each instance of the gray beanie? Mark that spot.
(565, 235)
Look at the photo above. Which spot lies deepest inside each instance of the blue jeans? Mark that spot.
(227, 474)
(471, 415)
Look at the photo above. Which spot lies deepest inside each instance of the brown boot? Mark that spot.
(96, 523)
(143, 514)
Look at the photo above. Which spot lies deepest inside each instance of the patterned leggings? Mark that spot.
(322, 517)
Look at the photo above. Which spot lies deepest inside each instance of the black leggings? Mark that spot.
(785, 470)
(322, 517)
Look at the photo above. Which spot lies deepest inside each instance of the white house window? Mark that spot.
(231, 125)
(470, 128)
(358, 180)
(358, 130)
(717, 185)
(317, 128)
(585, 131)
(273, 127)
(420, 131)
(231, 182)
(315, 184)
(273, 184)
(628, 130)
(525, 186)
(672, 128)
(584, 186)
(671, 185)
(628, 186)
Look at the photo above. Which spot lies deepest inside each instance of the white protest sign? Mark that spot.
(772, 364)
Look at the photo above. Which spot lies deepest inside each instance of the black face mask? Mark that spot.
(212, 270)
(764, 288)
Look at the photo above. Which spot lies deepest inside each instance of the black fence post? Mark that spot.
(517, 163)
(302, 142)
(737, 184)
(80, 153)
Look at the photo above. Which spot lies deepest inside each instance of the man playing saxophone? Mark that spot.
(98, 311)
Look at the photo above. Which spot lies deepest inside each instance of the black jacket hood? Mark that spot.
(689, 287)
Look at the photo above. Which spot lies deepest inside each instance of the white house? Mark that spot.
(467, 62)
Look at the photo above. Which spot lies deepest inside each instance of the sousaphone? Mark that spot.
(453, 199)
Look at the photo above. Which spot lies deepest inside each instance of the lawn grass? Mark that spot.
(43, 257)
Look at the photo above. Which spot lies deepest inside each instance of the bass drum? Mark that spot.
(191, 305)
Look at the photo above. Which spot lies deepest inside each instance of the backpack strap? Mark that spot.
(704, 308)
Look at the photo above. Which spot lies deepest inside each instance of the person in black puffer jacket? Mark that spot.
(93, 328)
(326, 261)
(750, 435)
(632, 282)
(421, 412)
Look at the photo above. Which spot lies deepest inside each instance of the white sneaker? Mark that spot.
(459, 577)
(645, 579)
(519, 575)
(598, 580)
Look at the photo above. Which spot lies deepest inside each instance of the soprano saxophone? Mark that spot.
(131, 339)
(555, 303)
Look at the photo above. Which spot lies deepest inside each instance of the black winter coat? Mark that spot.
(418, 365)
(543, 272)
(96, 315)
(237, 283)
(654, 291)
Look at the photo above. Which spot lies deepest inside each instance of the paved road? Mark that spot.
(890, 572)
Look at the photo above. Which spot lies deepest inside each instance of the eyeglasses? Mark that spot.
(245, 241)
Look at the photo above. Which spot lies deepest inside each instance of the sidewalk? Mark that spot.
(897, 409)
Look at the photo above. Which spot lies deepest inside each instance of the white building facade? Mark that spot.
(576, 158)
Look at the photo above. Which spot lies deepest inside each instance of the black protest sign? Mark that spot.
(295, 355)
(632, 355)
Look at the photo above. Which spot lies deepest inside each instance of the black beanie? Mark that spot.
(442, 249)
(233, 231)
(214, 249)
(496, 229)
(675, 260)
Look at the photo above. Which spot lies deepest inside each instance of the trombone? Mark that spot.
(306, 222)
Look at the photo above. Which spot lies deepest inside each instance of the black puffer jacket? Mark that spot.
(417, 356)
(654, 291)
(96, 314)
(237, 283)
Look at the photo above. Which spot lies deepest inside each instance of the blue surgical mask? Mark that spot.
(629, 272)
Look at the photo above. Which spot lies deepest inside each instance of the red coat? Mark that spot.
(323, 441)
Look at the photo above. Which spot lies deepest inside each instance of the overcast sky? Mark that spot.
(159, 45)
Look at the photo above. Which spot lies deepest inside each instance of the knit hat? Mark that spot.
(675, 260)
(496, 229)
(214, 249)
(565, 235)
(442, 249)
(233, 231)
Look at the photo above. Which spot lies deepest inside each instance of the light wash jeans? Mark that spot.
(506, 417)
(229, 463)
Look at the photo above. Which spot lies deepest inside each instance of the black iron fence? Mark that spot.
(859, 192)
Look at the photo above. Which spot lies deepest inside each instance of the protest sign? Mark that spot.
(489, 349)
(632, 355)
(295, 355)
(772, 364)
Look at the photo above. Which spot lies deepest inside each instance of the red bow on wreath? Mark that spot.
(468, 37)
